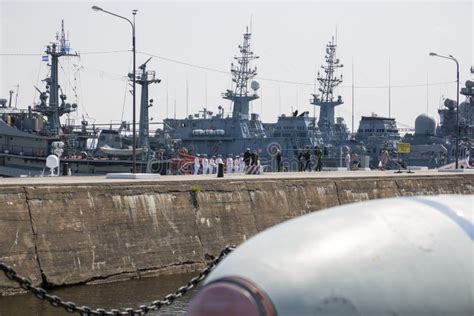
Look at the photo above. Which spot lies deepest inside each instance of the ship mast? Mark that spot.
(54, 110)
(241, 74)
(328, 81)
(145, 78)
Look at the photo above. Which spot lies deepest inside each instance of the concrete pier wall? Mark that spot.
(104, 231)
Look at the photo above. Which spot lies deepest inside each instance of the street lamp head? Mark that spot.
(96, 8)
(433, 54)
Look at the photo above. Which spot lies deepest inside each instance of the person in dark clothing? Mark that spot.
(247, 157)
(319, 157)
(300, 161)
(278, 160)
(307, 159)
(255, 158)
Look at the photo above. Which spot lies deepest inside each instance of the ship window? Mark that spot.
(11, 138)
(102, 138)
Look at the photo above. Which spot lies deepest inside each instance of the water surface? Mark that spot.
(124, 294)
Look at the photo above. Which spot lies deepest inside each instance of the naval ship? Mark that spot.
(434, 146)
(29, 136)
(232, 134)
(212, 134)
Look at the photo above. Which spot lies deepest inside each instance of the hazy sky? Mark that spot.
(289, 37)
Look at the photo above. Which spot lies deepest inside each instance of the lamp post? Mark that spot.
(132, 24)
(451, 57)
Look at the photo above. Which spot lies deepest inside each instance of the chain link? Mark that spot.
(71, 307)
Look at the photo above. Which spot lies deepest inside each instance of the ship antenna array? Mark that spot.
(328, 81)
(64, 45)
(242, 72)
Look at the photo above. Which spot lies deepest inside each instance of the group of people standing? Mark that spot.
(305, 158)
(251, 158)
(233, 164)
(206, 165)
(352, 160)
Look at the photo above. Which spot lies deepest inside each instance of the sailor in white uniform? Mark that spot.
(229, 165)
(205, 164)
(197, 164)
(212, 165)
(237, 164)
(347, 160)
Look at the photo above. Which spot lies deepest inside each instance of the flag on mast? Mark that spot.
(45, 58)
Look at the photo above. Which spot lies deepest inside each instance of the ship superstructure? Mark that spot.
(376, 134)
(145, 78)
(242, 73)
(434, 145)
(213, 133)
(28, 136)
(331, 129)
(55, 109)
(31, 132)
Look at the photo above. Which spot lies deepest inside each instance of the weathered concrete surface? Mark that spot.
(17, 241)
(104, 231)
(86, 233)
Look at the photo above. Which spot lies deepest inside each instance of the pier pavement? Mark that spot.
(265, 176)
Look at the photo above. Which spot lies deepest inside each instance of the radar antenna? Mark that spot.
(242, 73)
(54, 110)
(328, 81)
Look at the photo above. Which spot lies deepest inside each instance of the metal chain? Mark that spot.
(71, 307)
